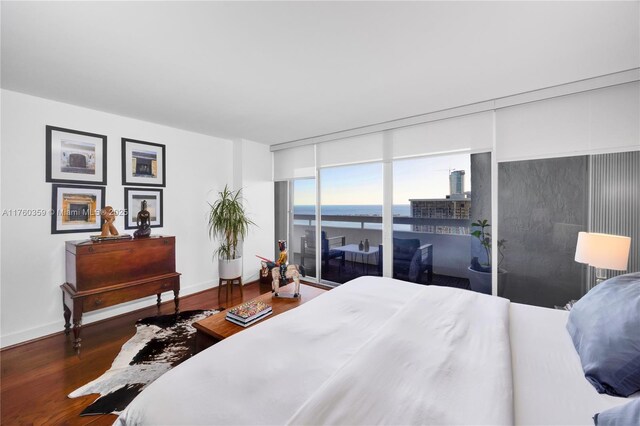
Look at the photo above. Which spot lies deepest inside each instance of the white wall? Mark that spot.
(252, 172)
(33, 259)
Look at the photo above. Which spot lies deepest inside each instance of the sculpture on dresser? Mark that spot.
(108, 216)
(143, 221)
(109, 231)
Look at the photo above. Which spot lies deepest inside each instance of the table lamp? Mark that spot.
(603, 251)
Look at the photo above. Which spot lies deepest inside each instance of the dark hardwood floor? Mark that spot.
(37, 376)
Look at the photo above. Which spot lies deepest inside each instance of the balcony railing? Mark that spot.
(397, 220)
(451, 250)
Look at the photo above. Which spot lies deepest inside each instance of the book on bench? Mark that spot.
(253, 321)
(248, 312)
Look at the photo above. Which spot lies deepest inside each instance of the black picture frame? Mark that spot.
(145, 173)
(81, 146)
(79, 198)
(154, 207)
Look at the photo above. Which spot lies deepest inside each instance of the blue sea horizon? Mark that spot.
(353, 210)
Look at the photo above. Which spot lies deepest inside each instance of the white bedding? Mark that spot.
(263, 374)
(549, 384)
(378, 350)
(430, 363)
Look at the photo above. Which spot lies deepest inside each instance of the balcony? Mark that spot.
(451, 252)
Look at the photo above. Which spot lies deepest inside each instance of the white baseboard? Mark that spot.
(91, 317)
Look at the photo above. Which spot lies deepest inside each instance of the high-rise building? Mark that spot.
(441, 208)
(456, 205)
(456, 182)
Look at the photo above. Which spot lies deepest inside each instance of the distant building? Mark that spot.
(456, 182)
(441, 208)
(456, 205)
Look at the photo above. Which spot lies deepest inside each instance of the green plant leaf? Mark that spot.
(228, 222)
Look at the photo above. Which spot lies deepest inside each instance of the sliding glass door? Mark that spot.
(433, 205)
(303, 225)
(295, 222)
(351, 213)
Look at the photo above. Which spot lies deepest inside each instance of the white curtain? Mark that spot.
(603, 120)
(470, 132)
(359, 149)
(294, 163)
(592, 122)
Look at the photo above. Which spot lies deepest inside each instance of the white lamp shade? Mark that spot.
(603, 250)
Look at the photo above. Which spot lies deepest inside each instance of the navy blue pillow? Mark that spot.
(624, 415)
(605, 328)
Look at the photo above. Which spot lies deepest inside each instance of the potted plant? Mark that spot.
(228, 222)
(480, 273)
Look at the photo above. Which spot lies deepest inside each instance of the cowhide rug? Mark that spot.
(160, 343)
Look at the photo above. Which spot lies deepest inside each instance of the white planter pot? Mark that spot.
(481, 281)
(228, 269)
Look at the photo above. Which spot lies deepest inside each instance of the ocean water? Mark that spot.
(353, 210)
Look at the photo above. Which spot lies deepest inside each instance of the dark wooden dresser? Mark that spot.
(106, 273)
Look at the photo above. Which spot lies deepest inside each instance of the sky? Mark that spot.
(425, 177)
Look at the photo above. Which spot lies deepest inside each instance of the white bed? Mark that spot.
(383, 351)
(549, 384)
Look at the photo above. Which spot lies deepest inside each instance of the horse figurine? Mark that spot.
(292, 272)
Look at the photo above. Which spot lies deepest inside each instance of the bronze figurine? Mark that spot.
(143, 220)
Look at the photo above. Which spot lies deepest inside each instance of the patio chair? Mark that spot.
(308, 247)
(411, 260)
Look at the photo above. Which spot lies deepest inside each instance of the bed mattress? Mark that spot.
(274, 372)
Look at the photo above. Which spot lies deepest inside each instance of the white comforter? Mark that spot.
(374, 350)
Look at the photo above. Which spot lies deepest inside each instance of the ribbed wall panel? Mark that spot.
(615, 202)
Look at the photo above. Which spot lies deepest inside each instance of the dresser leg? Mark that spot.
(158, 302)
(77, 327)
(67, 320)
(67, 316)
(176, 300)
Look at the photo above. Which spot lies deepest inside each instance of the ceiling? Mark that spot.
(280, 71)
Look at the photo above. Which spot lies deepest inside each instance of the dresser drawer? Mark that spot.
(114, 297)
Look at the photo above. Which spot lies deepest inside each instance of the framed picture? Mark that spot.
(143, 163)
(76, 208)
(133, 198)
(76, 157)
